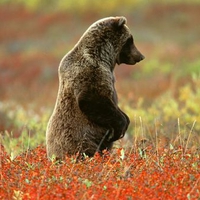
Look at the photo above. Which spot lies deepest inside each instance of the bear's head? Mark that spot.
(110, 39)
(129, 53)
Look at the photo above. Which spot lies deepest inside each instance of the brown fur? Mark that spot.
(86, 118)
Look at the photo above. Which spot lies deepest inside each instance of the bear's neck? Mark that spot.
(103, 55)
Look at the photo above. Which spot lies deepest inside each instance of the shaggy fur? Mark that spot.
(86, 118)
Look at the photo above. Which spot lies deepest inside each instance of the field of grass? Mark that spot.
(159, 156)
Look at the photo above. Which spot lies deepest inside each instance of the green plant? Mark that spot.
(175, 117)
(30, 128)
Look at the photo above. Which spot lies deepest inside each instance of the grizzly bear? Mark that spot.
(86, 118)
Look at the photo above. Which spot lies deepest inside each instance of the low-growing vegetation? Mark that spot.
(167, 173)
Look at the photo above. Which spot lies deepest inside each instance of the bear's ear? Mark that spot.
(120, 21)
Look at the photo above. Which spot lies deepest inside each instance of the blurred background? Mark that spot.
(160, 94)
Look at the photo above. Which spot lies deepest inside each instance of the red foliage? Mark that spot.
(170, 175)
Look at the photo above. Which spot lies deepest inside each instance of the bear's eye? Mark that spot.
(130, 39)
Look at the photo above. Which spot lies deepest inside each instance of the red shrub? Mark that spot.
(113, 176)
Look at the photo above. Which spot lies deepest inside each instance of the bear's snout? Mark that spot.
(142, 57)
(129, 53)
(138, 56)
